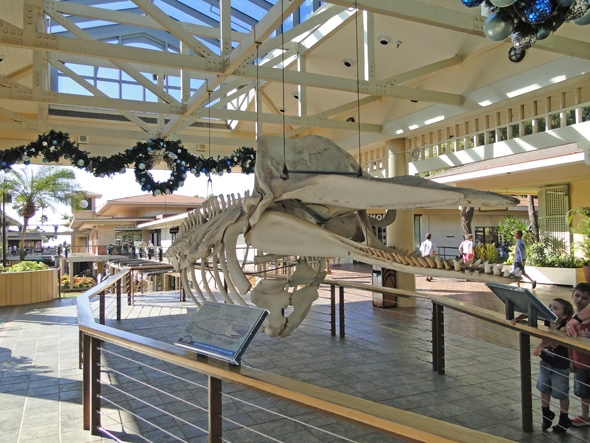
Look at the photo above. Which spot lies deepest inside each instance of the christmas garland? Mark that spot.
(56, 145)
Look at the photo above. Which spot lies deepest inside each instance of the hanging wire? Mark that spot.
(358, 87)
(285, 172)
(359, 173)
(257, 84)
(209, 180)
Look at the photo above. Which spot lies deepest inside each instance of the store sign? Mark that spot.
(125, 228)
(175, 230)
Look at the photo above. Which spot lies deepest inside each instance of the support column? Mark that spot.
(401, 232)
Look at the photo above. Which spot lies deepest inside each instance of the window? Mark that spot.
(553, 208)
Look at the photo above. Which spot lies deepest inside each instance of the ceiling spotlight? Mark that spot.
(516, 54)
(350, 119)
(348, 62)
(384, 39)
(296, 95)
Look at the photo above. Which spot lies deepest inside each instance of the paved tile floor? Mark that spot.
(385, 357)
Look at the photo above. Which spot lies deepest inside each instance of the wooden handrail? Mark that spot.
(388, 420)
(385, 419)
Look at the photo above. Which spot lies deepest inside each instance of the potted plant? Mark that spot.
(582, 243)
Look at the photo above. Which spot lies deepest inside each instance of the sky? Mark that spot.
(124, 185)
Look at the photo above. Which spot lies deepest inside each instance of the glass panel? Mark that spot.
(150, 96)
(132, 92)
(173, 81)
(305, 10)
(108, 73)
(250, 8)
(81, 69)
(196, 83)
(126, 77)
(109, 88)
(69, 86)
(175, 93)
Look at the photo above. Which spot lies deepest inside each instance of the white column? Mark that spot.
(401, 232)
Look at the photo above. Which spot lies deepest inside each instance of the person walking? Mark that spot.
(428, 249)
(520, 258)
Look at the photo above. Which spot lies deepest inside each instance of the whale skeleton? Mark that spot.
(316, 210)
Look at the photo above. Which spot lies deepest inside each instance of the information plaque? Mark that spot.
(522, 300)
(221, 330)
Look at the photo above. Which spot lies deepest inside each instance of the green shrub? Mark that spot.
(547, 253)
(24, 266)
(508, 226)
(487, 253)
(583, 229)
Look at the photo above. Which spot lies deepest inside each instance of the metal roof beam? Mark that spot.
(131, 18)
(430, 14)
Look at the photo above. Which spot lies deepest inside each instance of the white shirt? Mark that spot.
(466, 247)
(427, 248)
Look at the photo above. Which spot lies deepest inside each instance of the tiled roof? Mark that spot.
(167, 198)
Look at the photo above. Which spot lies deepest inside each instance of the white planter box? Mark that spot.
(556, 276)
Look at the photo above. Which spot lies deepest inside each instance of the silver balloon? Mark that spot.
(584, 20)
(498, 28)
(521, 40)
(503, 3)
(577, 10)
(543, 33)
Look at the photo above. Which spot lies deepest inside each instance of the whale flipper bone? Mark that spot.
(196, 285)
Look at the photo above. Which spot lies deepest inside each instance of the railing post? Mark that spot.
(119, 300)
(341, 311)
(438, 338)
(333, 310)
(215, 410)
(129, 287)
(86, 393)
(91, 384)
(81, 349)
(102, 308)
(526, 395)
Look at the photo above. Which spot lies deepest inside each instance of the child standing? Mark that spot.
(581, 360)
(554, 368)
(466, 248)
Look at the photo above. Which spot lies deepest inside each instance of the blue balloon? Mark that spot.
(537, 11)
(498, 28)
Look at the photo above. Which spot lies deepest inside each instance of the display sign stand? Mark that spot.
(221, 330)
(522, 300)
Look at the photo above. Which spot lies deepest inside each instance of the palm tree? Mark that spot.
(32, 190)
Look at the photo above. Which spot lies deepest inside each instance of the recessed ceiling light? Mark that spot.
(296, 95)
(348, 62)
(350, 119)
(384, 39)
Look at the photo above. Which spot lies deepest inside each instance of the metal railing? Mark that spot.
(439, 334)
(100, 344)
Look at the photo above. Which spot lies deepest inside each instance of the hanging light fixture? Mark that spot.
(526, 21)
